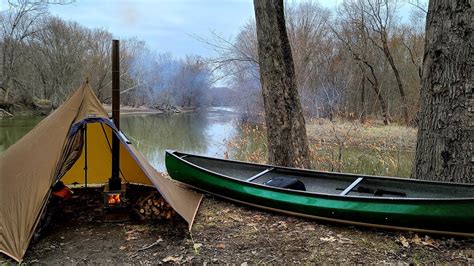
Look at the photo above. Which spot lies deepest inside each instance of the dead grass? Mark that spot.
(356, 134)
(340, 146)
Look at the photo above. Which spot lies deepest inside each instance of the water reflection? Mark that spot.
(12, 129)
(198, 132)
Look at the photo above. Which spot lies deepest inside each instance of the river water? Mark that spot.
(204, 132)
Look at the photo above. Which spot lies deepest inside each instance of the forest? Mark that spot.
(360, 61)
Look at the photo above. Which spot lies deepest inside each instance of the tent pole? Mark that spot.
(85, 155)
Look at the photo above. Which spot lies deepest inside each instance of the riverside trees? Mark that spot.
(330, 79)
(44, 57)
(362, 60)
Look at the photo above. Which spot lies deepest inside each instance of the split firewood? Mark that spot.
(152, 194)
(154, 206)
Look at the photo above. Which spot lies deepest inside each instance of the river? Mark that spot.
(204, 132)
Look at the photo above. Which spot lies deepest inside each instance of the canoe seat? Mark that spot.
(286, 182)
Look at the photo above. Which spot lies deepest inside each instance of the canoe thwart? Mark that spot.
(351, 186)
(259, 174)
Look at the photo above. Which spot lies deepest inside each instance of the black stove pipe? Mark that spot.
(115, 181)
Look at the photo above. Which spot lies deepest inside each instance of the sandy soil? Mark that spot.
(228, 233)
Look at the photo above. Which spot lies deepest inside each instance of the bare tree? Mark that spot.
(16, 25)
(57, 55)
(286, 131)
(378, 19)
(444, 150)
(354, 38)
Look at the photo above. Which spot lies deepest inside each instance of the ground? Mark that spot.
(225, 232)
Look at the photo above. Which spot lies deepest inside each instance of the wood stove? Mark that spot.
(114, 199)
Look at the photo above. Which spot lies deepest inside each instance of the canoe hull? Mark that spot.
(453, 217)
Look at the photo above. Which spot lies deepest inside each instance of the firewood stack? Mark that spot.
(154, 206)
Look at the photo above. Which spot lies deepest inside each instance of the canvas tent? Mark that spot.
(53, 150)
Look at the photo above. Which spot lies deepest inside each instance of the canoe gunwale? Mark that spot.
(318, 194)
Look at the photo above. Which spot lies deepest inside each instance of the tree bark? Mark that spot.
(286, 130)
(446, 128)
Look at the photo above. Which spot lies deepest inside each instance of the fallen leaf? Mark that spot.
(130, 237)
(344, 240)
(172, 259)
(416, 240)
(429, 242)
(309, 228)
(402, 240)
(237, 218)
(282, 224)
(328, 239)
(196, 248)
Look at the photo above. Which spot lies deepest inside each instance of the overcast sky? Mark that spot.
(165, 25)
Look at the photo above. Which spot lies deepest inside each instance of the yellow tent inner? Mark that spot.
(99, 160)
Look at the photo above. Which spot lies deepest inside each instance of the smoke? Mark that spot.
(167, 80)
(128, 14)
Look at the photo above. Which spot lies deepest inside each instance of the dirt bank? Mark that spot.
(130, 110)
(227, 233)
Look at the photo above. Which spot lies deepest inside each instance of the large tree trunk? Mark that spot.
(286, 131)
(446, 129)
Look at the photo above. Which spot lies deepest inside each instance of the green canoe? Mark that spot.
(385, 202)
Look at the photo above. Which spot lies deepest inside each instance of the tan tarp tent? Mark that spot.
(52, 151)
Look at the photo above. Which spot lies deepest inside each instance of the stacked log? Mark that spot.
(154, 206)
